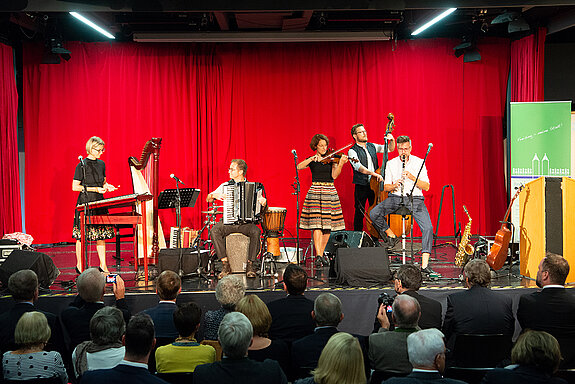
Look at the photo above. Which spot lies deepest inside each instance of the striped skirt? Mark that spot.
(322, 209)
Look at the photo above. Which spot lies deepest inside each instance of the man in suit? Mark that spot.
(139, 341)
(553, 308)
(388, 349)
(478, 310)
(408, 280)
(291, 315)
(168, 287)
(23, 285)
(427, 355)
(236, 335)
(91, 289)
(305, 352)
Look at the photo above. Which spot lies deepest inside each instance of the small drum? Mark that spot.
(273, 226)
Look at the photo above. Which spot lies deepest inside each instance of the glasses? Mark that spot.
(404, 149)
(101, 150)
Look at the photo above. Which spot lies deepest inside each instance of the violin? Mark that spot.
(333, 156)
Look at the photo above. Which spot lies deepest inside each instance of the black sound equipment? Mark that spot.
(38, 262)
(362, 267)
(169, 259)
(348, 239)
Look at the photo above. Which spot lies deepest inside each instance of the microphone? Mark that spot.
(176, 178)
(81, 160)
(294, 152)
(429, 146)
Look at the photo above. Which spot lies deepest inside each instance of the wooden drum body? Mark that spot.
(273, 226)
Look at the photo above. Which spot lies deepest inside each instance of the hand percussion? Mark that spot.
(273, 225)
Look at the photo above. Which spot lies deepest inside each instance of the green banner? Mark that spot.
(540, 139)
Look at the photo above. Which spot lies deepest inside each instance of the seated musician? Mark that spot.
(220, 231)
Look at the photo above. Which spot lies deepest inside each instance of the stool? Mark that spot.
(237, 248)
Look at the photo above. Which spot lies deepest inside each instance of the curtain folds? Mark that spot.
(212, 103)
(527, 67)
(10, 213)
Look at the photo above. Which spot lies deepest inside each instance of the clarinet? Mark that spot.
(402, 170)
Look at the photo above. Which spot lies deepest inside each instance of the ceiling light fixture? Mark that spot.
(437, 18)
(92, 25)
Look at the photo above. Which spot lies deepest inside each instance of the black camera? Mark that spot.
(386, 300)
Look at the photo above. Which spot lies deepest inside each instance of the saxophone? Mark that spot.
(465, 249)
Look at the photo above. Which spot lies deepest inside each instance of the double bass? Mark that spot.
(395, 223)
(498, 252)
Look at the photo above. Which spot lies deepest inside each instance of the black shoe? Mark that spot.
(392, 242)
(77, 270)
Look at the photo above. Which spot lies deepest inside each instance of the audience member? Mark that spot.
(477, 310)
(30, 361)
(388, 349)
(426, 351)
(305, 352)
(91, 289)
(553, 308)
(535, 357)
(262, 347)
(229, 291)
(408, 280)
(185, 353)
(23, 285)
(139, 341)
(105, 350)
(168, 287)
(291, 315)
(235, 335)
(340, 362)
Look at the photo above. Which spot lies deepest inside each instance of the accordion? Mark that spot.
(241, 203)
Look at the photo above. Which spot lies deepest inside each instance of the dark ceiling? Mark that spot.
(293, 19)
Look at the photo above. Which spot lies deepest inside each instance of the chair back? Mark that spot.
(467, 375)
(177, 377)
(217, 346)
(480, 351)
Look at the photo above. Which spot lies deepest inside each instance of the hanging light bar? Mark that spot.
(92, 25)
(439, 17)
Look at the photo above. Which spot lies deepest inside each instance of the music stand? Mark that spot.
(169, 197)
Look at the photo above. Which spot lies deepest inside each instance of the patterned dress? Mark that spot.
(321, 207)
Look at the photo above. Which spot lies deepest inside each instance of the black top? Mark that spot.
(320, 172)
(95, 176)
(278, 350)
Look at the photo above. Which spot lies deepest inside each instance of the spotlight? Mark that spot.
(505, 17)
(518, 25)
(471, 55)
(468, 50)
(54, 51)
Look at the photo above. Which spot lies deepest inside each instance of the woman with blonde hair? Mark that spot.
(30, 361)
(262, 346)
(90, 181)
(340, 362)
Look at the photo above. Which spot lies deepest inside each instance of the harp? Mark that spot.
(145, 178)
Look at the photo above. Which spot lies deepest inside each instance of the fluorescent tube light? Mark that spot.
(442, 15)
(92, 24)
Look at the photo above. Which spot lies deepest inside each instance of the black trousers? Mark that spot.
(362, 194)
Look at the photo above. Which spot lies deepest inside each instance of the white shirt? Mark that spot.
(393, 172)
(370, 166)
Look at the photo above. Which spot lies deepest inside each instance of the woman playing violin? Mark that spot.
(321, 211)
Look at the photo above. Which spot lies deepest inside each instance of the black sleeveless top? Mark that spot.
(320, 172)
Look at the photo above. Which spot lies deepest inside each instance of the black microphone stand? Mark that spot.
(296, 186)
(178, 204)
(86, 218)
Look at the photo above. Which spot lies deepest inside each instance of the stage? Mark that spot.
(359, 303)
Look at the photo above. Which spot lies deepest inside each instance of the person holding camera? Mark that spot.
(388, 349)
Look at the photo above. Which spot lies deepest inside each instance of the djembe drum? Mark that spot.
(273, 226)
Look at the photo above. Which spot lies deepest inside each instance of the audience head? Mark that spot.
(229, 291)
(32, 330)
(91, 285)
(405, 311)
(257, 312)
(235, 335)
(107, 326)
(327, 310)
(537, 349)
(341, 361)
(168, 285)
(408, 278)
(426, 349)
(553, 269)
(295, 279)
(477, 273)
(187, 319)
(23, 285)
(139, 338)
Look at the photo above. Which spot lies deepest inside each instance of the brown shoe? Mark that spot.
(226, 269)
(250, 273)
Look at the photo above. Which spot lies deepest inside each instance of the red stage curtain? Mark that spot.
(527, 59)
(10, 213)
(214, 102)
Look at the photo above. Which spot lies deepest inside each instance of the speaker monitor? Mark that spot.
(169, 259)
(38, 262)
(348, 239)
(362, 267)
